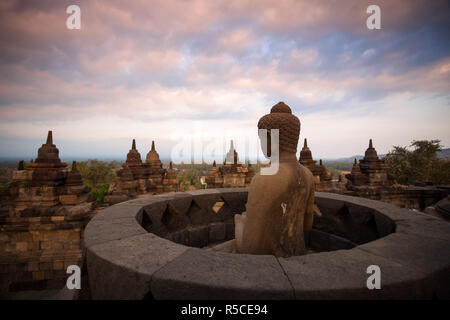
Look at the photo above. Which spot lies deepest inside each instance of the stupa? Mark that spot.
(320, 173)
(43, 212)
(231, 174)
(214, 179)
(46, 181)
(370, 178)
(137, 178)
(371, 170)
(170, 181)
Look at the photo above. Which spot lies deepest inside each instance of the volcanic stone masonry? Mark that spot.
(137, 179)
(370, 178)
(43, 212)
(320, 173)
(232, 174)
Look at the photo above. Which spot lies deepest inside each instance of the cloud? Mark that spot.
(152, 68)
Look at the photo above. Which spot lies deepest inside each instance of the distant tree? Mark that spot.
(419, 164)
(193, 174)
(338, 165)
(98, 175)
(96, 172)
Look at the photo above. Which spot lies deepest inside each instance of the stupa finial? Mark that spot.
(370, 144)
(153, 145)
(49, 138)
(133, 145)
(305, 143)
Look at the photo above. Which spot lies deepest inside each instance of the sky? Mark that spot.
(174, 71)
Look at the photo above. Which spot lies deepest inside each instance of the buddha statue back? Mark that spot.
(280, 206)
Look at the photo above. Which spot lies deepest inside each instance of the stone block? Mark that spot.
(198, 236)
(429, 255)
(57, 218)
(46, 245)
(342, 275)
(38, 275)
(58, 265)
(319, 240)
(229, 230)
(235, 200)
(122, 269)
(204, 274)
(217, 232)
(45, 266)
(70, 199)
(181, 237)
(21, 246)
(33, 266)
(115, 199)
(99, 231)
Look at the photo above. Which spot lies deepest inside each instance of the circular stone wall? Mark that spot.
(151, 248)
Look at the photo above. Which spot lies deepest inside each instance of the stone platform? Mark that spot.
(155, 248)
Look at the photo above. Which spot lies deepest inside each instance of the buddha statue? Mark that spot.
(280, 206)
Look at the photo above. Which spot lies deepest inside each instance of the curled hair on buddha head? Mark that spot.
(281, 118)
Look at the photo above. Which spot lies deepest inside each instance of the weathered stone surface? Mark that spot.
(114, 199)
(181, 202)
(342, 275)
(430, 255)
(320, 173)
(424, 226)
(100, 231)
(217, 232)
(370, 171)
(200, 274)
(198, 236)
(371, 178)
(118, 211)
(235, 200)
(137, 178)
(47, 206)
(123, 269)
(414, 261)
(232, 174)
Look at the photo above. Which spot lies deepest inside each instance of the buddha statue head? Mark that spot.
(281, 118)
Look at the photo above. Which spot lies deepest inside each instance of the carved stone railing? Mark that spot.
(155, 248)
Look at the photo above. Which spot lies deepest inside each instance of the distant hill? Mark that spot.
(444, 154)
(349, 159)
